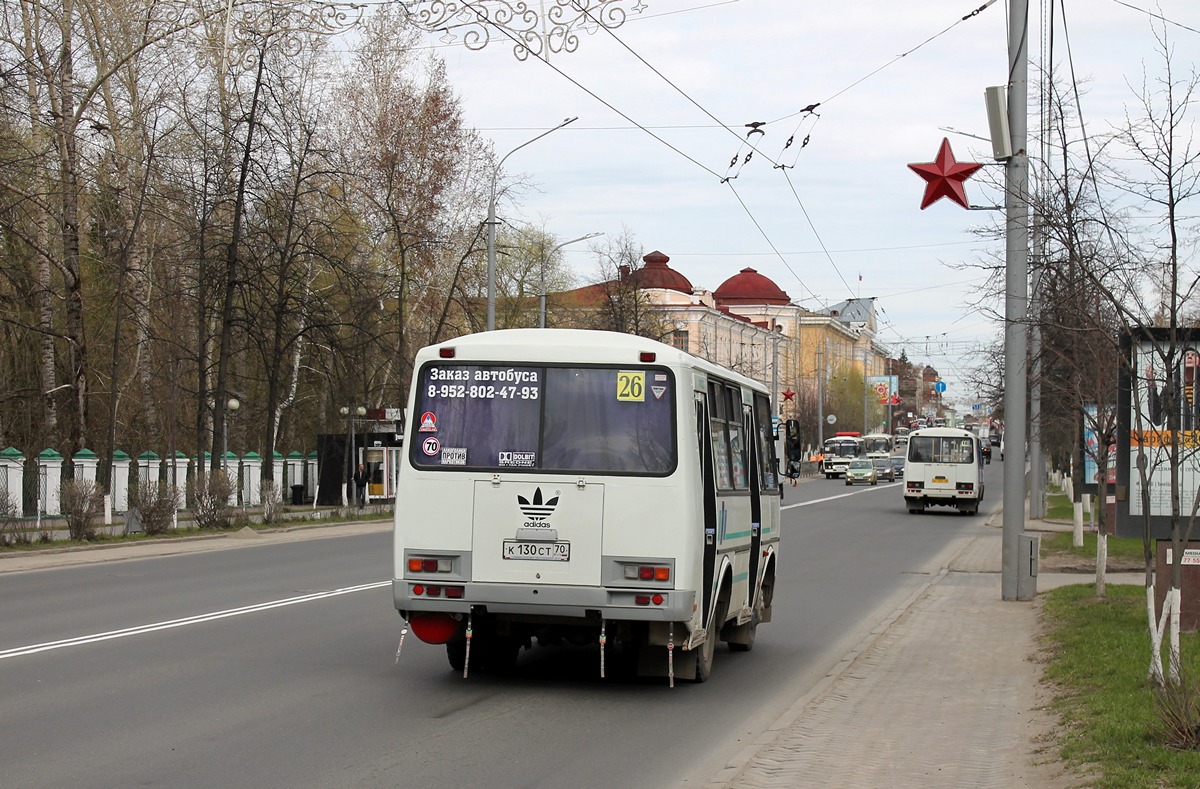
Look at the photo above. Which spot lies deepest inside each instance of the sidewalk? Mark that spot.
(23, 561)
(944, 693)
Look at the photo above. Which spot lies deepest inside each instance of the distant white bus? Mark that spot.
(585, 487)
(877, 443)
(943, 467)
(838, 452)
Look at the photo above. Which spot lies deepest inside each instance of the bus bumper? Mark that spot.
(572, 602)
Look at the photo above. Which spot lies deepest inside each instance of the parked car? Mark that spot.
(861, 470)
(897, 462)
(883, 469)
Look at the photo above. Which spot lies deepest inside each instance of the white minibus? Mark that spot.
(838, 452)
(585, 487)
(877, 443)
(943, 467)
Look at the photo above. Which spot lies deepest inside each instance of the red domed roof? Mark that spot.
(750, 287)
(657, 274)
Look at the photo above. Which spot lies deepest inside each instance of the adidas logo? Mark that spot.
(537, 511)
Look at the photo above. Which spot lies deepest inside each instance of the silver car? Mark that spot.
(861, 470)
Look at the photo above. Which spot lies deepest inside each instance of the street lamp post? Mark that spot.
(545, 260)
(491, 223)
(231, 407)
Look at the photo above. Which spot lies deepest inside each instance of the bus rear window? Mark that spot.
(941, 449)
(508, 417)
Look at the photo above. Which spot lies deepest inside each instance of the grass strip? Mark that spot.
(1059, 543)
(1098, 654)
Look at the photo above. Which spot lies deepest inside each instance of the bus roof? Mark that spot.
(941, 431)
(584, 346)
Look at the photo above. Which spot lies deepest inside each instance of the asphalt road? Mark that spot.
(273, 665)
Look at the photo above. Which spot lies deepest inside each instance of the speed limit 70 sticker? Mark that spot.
(430, 446)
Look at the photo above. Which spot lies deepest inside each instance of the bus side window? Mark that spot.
(720, 435)
(768, 467)
(737, 441)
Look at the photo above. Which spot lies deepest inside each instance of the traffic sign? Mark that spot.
(939, 387)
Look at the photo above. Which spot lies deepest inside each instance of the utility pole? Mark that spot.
(1037, 463)
(890, 414)
(865, 427)
(1016, 302)
(820, 399)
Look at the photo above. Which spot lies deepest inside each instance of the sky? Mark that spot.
(663, 102)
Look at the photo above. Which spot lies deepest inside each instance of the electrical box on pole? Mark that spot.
(997, 110)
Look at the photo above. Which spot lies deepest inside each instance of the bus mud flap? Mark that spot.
(670, 662)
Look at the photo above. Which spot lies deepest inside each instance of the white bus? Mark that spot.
(877, 444)
(943, 467)
(838, 452)
(587, 487)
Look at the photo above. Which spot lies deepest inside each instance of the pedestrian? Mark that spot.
(360, 485)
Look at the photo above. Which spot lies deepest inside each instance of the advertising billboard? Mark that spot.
(1158, 408)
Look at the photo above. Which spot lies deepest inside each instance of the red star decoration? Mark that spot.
(788, 394)
(944, 177)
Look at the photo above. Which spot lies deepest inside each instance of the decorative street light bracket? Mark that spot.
(550, 27)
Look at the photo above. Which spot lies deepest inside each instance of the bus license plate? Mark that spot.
(537, 551)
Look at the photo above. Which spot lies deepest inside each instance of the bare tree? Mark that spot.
(1141, 284)
(622, 306)
(404, 139)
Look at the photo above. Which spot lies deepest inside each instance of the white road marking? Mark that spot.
(191, 620)
(866, 489)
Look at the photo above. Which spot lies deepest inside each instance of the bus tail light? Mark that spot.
(647, 356)
(647, 599)
(647, 572)
(428, 564)
(436, 590)
(446, 352)
(965, 486)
